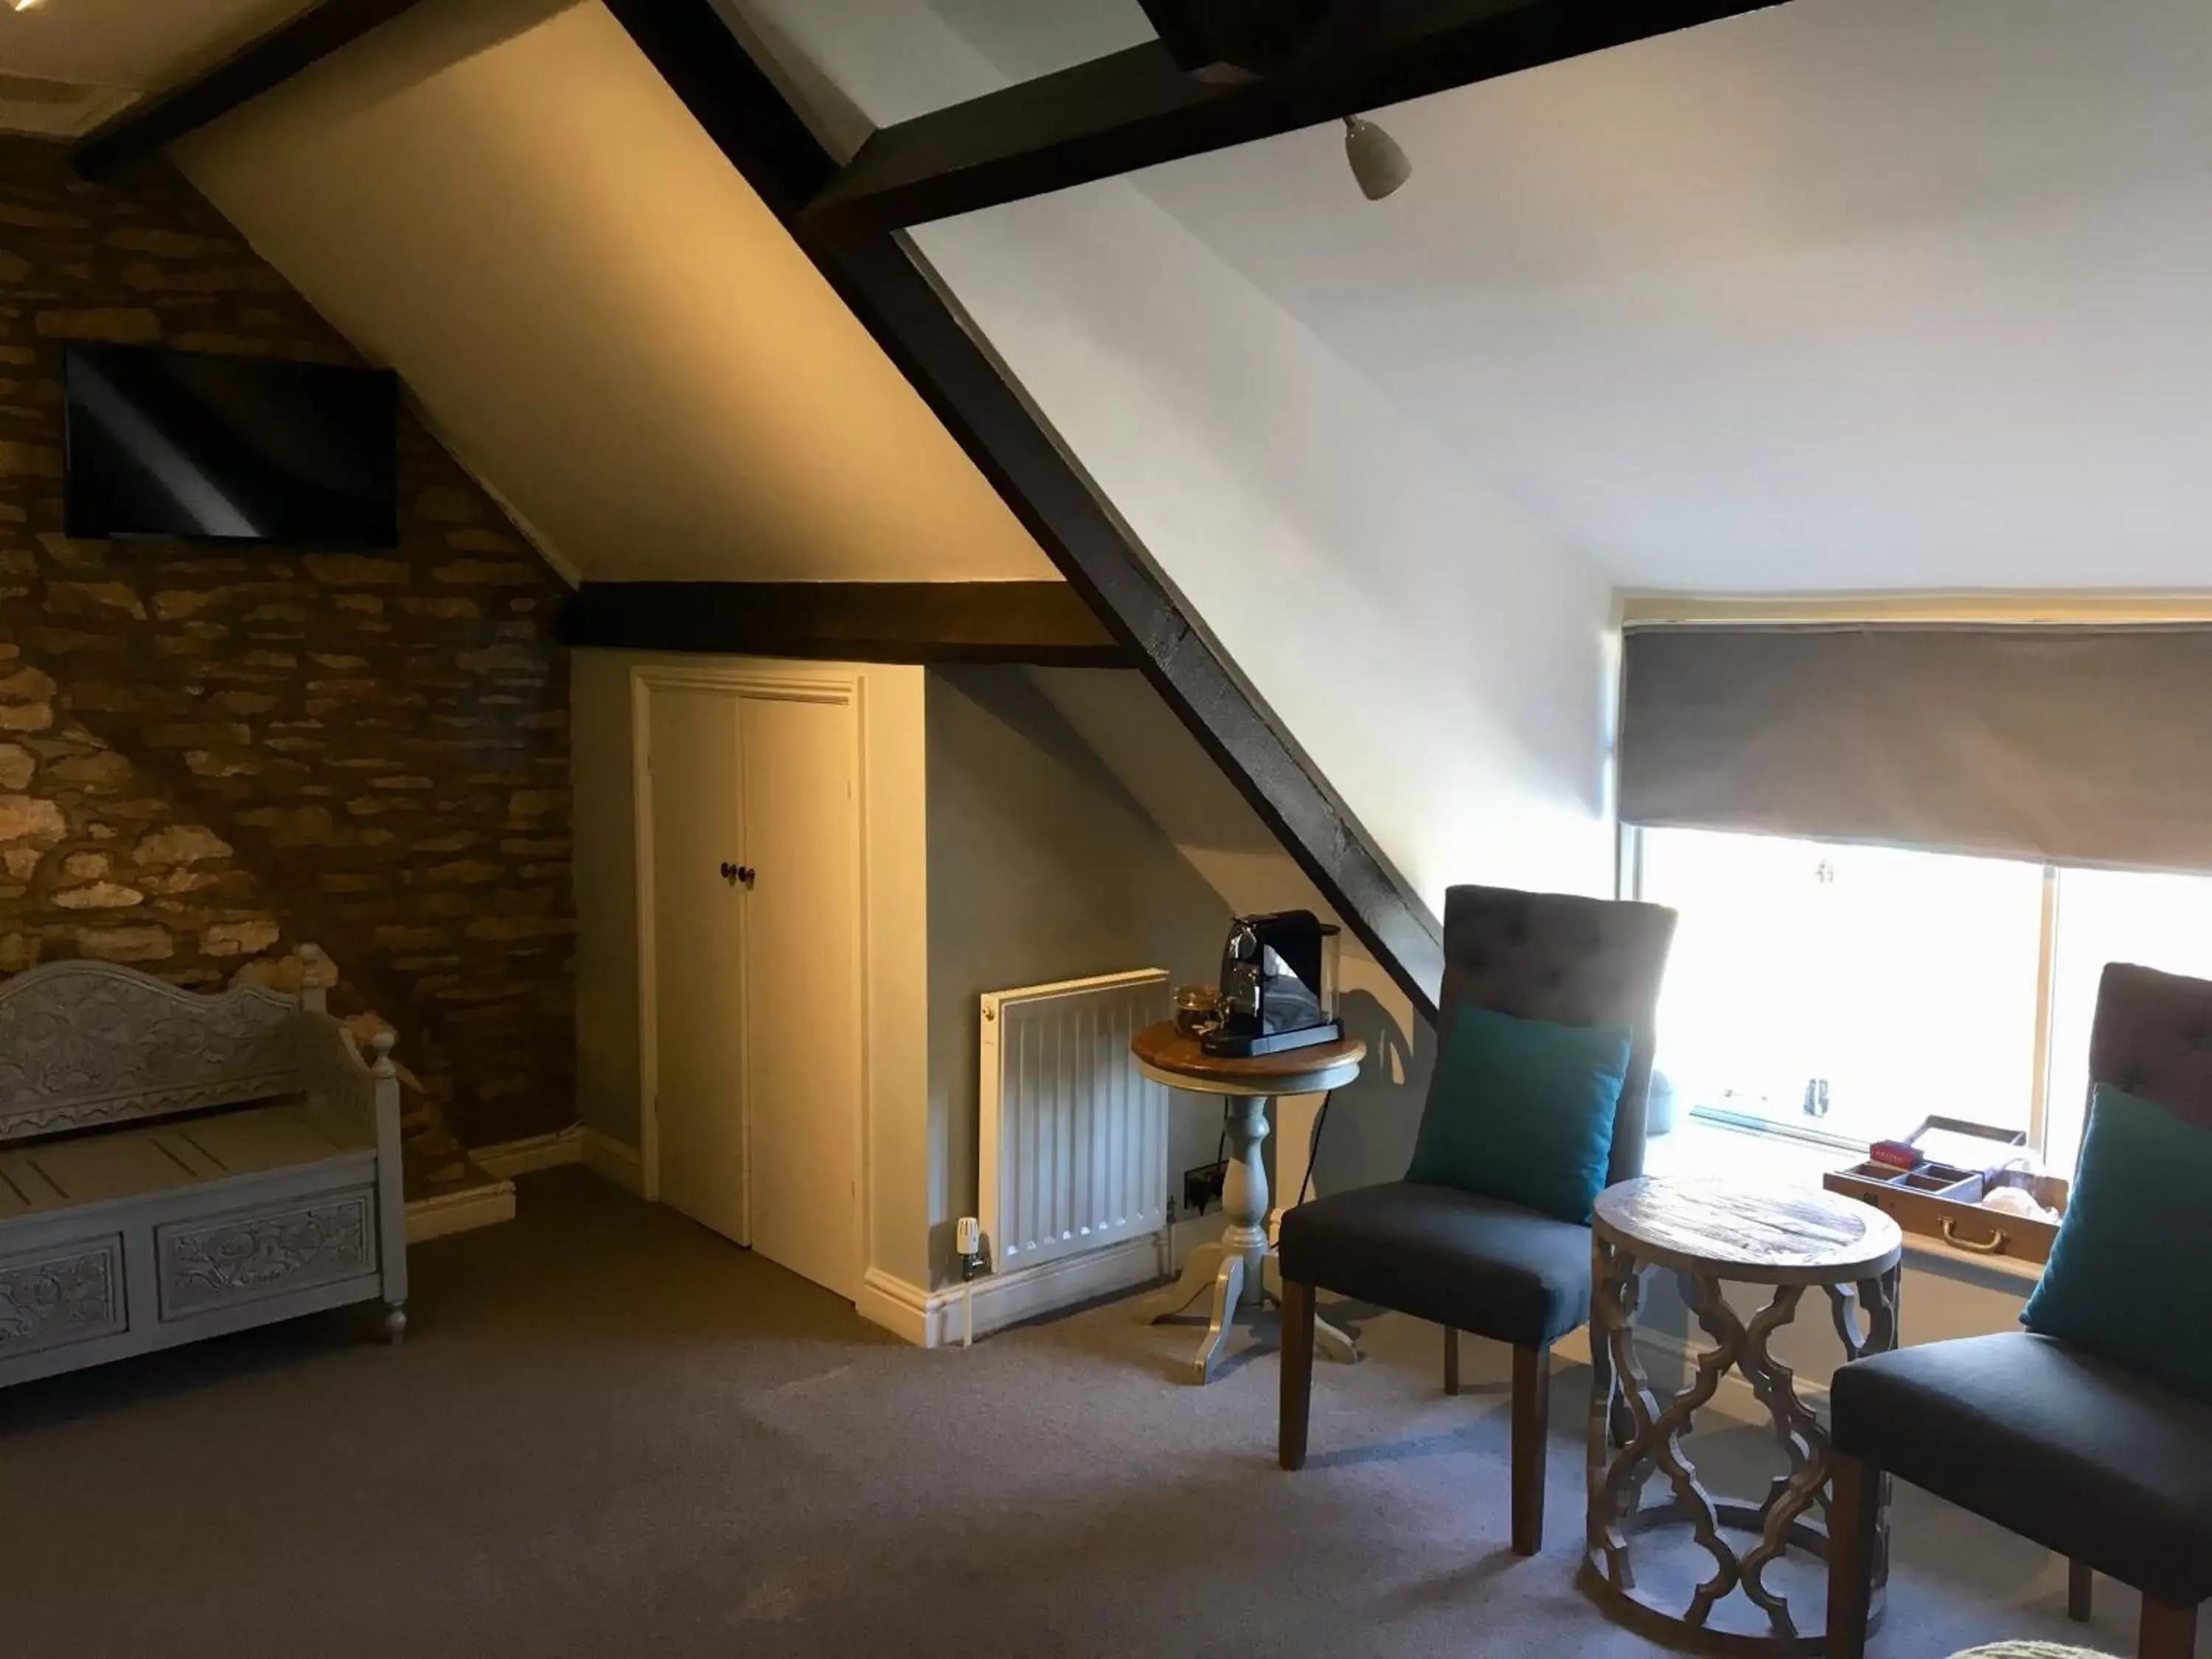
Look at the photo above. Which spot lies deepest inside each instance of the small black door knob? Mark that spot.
(735, 873)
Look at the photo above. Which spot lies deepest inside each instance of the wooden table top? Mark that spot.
(1753, 1232)
(1176, 1058)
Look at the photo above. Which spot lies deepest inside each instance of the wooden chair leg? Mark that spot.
(1298, 1322)
(1452, 1359)
(2166, 1632)
(1532, 1413)
(1854, 1522)
(2081, 1592)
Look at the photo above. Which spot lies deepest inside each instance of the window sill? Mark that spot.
(1699, 1144)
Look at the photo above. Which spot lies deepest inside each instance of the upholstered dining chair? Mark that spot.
(1473, 1263)
(2111, 1469)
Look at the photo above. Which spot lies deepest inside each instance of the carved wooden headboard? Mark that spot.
(84, 1044)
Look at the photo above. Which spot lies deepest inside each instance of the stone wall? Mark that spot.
(210, 753)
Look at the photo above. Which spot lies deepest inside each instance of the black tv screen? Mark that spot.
(174, 443)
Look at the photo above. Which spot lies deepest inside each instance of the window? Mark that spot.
(1849, 991)
(2105, 915)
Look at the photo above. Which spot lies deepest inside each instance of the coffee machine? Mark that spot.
(1277, 986)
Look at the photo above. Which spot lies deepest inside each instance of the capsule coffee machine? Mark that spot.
(1277, 986)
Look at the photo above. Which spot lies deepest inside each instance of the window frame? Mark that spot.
(1628, 883)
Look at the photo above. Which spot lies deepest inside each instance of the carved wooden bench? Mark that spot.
(175, 1165)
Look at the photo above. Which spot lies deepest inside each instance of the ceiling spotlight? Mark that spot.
(1376, 161)
(22, 5)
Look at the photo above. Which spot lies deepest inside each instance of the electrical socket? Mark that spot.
(1203, 1185)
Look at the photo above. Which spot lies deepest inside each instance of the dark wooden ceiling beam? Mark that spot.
(244, 75)
(922, 330)
(1137, 108)
(1042, 624)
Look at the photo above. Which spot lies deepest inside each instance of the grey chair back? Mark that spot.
(1571, 961)
(2152, 1037)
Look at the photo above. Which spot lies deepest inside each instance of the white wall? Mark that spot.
(1444, 662)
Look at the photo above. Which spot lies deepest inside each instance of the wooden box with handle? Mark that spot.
(1943, 1200)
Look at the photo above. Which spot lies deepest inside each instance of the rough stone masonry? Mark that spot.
(212, 753)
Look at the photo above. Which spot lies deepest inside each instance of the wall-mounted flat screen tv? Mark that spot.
(174, 443)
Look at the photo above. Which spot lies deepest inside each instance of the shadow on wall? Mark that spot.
(1369, 1136)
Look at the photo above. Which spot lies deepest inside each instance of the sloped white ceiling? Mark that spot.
(1847, 295)
(502, 200)
(1439, 658)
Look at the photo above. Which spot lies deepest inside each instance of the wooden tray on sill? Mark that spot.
(1938, 1201)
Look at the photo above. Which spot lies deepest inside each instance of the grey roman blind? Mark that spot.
(2080, 746)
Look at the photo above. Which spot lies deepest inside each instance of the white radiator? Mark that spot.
(1073, 1147)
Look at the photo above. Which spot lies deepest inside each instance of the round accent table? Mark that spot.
(1711, 1231)
(1235, 1269)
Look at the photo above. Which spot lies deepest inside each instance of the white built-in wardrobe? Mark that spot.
(751, 943)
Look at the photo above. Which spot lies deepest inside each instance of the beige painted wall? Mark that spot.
(502, 200)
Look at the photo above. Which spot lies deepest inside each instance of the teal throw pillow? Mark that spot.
(1521, 1110)
(2137, 1228)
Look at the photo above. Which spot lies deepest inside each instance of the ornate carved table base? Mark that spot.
(1636, 1437)
(1241, 1269)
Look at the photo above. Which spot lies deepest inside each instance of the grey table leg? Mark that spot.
(1244, 1247)
(1236, 1266)
(1228, 1291)
(1198, 1276)
(1244, 1193)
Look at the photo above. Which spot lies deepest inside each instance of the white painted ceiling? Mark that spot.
(1846, 295)
(66, 65)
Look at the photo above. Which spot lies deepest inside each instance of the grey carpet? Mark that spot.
(611, 1432)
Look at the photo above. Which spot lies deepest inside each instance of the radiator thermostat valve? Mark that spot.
(968, 1245)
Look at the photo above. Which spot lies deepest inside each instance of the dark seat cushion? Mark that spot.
(1439, 1254)
(2083, 1457)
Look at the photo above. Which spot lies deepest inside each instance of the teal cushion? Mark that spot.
(2122, 1279)
(1521, 1110)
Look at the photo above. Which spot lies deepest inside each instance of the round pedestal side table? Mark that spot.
(1235, 1269)
(1711, 1231)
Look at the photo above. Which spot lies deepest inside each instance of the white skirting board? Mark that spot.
(927, 1318)
(601, 1153)
(610, 1160)
(443, 1214)
(527, 1157)
(932, 1319)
